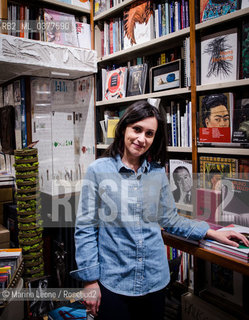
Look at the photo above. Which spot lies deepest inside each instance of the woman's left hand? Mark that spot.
(227, 237)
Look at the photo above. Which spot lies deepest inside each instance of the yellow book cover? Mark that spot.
(111, 126)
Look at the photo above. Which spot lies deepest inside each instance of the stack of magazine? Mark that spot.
(241, 253)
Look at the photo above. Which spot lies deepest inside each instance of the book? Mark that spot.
(61, 28)
(83, 35)
(115, 84)
(244, 49)
(235, 201)
(210, 9)
(181, 180)
(241, 121)
(216, 117)
(137, 79)
(213, 169)
(241, 252)
(111, 126)
(138, 23)
(75, 310)
(82, 3)
(219, 57)
(244, 169)
(208, 205)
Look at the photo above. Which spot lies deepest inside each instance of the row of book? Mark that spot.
(80, 3)
(179, 124)
(43, 24)
(142, 22)
(10, 260)
(103, 5)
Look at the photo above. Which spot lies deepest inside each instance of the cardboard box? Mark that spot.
(6, 194)
(194, 308)
(4, 237)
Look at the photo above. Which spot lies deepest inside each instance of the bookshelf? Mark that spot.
(195, 30)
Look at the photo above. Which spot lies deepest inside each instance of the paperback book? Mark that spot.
(138, 23)
(235, 201)
(60, 28)
(137, 79)
(210, 9)
(241, 253)
(213, 169)
(216, 117)
(245, 49)
(219, 57)
(115, 82)
(208, 205)
(241, 121)
(181, 180)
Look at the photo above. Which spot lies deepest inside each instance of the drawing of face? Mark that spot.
(219, 117)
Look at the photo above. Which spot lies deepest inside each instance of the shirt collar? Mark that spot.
(145, 167)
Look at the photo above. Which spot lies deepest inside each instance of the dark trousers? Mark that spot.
(119, 307)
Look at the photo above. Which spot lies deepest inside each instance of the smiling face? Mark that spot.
(219, 117)
(138, 138)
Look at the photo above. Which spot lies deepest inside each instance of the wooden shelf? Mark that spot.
(175, 92)
(151, 46)
(67, 5)
(223, 85)
(19, 57)
(227, 151)
(205, 254)
(112, 11)
(179, 149)
(226, 18)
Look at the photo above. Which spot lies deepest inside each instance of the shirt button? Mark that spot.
(135, 188)
(140, 259)
(138, 205)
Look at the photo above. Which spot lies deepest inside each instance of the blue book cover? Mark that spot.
(179, 16)
(172, 7)
(183, 15)
(160, 19)
(75, 310)
(167, 16)
(186, 13)
(23, 114)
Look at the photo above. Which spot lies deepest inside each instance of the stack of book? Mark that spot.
(10, 260)
(241, 253)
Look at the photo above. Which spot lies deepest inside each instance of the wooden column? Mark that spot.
(193, 83)
(3, 13)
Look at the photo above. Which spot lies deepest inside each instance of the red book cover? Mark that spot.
(216, 117)
(111, 35)
(22, 18)
(208, 205)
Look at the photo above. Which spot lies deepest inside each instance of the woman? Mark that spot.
(125, 200)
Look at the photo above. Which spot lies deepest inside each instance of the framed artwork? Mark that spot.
(137, 79)
(165, 76)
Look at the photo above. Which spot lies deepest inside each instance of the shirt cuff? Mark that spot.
(86, 274)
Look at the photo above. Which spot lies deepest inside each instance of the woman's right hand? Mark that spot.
(92, 297)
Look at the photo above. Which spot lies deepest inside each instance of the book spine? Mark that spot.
(22, 19)
(178, 125)
(156, 24)
(183, 18)
(186, 13)
(179, 15)
(172, 16)
(160, 19)
(167, 16)
(163, 20)
(176, 16)
(23, 114)
(111, 35)
(114, 35)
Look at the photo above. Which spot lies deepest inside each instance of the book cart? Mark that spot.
(192, 92)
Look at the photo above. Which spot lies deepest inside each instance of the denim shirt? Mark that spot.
(118, 227)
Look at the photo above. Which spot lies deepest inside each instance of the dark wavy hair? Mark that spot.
(137, 112)
(209, 102)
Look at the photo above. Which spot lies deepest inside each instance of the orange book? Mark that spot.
(22, 20)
